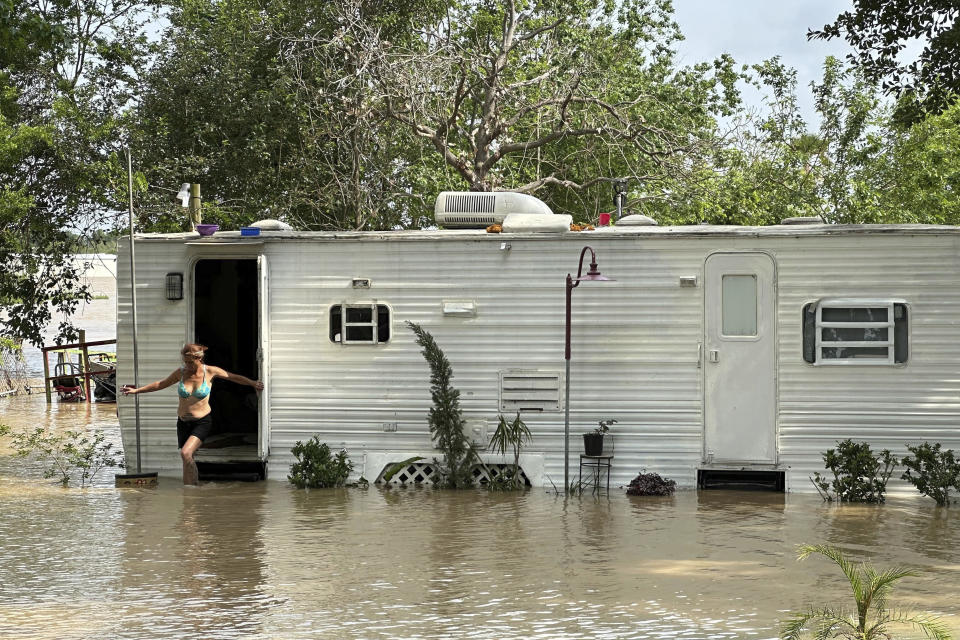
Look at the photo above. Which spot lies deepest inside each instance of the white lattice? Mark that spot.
(424, 473)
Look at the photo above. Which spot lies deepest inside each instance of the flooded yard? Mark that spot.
(263, 560)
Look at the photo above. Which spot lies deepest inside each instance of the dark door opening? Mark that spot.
(226, 321)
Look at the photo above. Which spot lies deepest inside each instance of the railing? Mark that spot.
(85, 372)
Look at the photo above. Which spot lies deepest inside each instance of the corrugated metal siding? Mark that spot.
(889, 407)
(162, 330)
(632, 360)
(635, 342)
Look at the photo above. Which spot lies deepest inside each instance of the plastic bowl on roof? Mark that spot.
(207, 229)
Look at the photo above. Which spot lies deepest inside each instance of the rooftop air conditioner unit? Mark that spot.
(476, 210)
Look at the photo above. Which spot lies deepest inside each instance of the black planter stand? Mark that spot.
(593, 444)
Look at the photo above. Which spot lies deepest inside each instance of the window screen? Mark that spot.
(361, 324)
(855, 332)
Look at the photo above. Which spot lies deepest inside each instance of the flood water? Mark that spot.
(264, 560)
(237, 560)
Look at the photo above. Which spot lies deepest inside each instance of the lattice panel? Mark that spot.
(423, 473)
(486, 473)
(413, 473)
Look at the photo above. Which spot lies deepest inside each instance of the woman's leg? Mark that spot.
(190, 475)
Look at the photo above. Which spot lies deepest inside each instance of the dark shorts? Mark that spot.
(201, 427)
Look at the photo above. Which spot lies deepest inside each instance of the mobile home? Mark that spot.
(715, 348)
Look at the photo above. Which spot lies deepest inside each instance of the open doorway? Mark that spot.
(226, 320)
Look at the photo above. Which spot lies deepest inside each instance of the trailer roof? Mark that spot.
(687, 231)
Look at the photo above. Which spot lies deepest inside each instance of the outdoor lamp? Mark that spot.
(592, 275)
(174, 286)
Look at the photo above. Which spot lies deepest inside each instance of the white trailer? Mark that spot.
(716, 349)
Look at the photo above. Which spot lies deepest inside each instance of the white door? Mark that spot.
(263, 359)
(740, 386)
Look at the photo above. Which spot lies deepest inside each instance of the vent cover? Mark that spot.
(468, 209)
(469, 203)
(529, 391)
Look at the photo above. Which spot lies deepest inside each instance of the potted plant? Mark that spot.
(593, 441)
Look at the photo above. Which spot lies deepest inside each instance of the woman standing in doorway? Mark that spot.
(194, 422)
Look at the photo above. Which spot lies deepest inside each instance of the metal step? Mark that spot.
(742, 478)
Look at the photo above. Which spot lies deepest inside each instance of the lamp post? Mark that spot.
(595, 275)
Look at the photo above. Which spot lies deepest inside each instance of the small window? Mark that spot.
(367, 323)
(739, 305)
(855, 332)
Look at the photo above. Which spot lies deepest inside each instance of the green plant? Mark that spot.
(932, 471)
(67, 456)
(396, 468)
(316, 467)
(859, 475)
(445, 417)
(870, 591)
(512, 436)
(604, 426)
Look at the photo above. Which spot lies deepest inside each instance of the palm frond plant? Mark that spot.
(511, 436)
(871, 620)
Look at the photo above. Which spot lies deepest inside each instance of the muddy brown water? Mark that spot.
(263, 560)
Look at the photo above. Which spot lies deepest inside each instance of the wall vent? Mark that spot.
(529, 391)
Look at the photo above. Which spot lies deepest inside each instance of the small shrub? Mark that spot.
(67, 456)
(316, 467)
(510, 436)
(870, 619)
(859, 475)
(932, 471)
(651, 484)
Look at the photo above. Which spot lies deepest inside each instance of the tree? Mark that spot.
(269, 108)
(871, 619)
(881, 30)
(65, 82)
(543, 96)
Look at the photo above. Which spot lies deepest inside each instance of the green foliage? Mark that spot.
(445, 416)
(880, 31)
(316, 467)
(66, 84)
(68, 456)
(510, 436)
(872, 619)
(932, 471)
(859, 475)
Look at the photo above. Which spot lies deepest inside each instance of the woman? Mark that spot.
(194, 423)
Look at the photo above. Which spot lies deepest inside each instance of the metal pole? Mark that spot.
(566, 404)
(133, 302)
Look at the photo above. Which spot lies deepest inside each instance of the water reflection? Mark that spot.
(265, 560)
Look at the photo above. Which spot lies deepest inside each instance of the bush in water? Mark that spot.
(651, 484)
(316, 468)
(67, 456)
(859, 475)
(932, 471)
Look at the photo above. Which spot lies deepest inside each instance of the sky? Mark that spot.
(754, 30)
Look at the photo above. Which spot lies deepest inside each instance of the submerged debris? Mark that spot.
(650, 484)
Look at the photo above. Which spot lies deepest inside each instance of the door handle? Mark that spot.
(714, 355)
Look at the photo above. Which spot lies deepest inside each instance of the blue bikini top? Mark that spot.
(200, 392)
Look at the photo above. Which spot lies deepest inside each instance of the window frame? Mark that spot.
(375, 308)
(895, 333)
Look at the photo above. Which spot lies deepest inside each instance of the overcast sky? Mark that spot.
(754, 30)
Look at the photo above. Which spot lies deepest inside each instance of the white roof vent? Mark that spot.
(476, 210)
(636, 220)
(802, 220)
(269, 224)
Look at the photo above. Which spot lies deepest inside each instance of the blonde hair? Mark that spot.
(193, 349)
